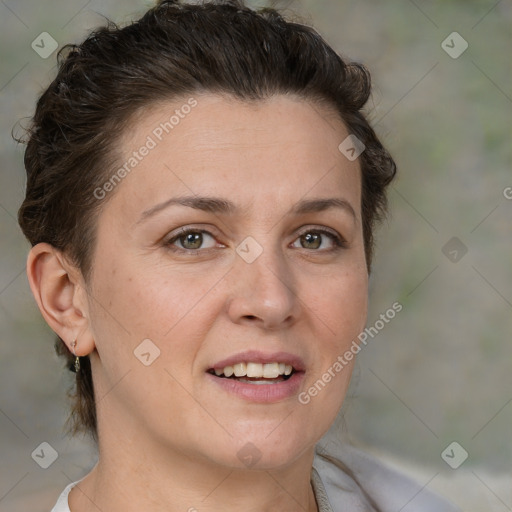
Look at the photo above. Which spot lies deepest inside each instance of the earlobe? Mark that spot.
(58, 289)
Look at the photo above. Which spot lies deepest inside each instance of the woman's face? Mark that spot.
(234, 238)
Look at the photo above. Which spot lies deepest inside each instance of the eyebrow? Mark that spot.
(320, 205)
(224, 206)
(206, 204)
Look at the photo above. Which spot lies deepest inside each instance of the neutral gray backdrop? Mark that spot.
(441, 371)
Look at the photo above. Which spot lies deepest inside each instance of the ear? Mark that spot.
(60, 293)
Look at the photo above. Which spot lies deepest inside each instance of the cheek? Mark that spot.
(159, 303)
(342, 304)
(340, 312)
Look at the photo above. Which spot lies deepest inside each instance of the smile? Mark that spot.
(257, 377)
(255, 373)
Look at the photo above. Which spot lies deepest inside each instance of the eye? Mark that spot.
(319, 239)
(192, 240)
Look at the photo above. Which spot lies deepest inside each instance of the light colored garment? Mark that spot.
(349, 479)
(62, 503)
(346, 479)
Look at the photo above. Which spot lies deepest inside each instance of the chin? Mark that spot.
(261, 452)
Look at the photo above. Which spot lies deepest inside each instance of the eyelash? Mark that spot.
(338, 241)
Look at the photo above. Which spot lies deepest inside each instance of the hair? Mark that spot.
(173, 50)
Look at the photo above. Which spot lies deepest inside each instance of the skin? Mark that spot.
(168, 437)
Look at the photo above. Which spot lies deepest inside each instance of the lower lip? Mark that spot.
(261, 393)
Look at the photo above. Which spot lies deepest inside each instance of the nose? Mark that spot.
(264, 293)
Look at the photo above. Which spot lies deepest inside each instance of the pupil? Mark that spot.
(192, 240)
(312, 241)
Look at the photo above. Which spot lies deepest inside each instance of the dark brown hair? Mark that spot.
(175, 49)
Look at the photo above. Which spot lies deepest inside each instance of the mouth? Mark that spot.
(255, 373)
(258, 377)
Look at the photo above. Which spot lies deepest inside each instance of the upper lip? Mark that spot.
(255, 356)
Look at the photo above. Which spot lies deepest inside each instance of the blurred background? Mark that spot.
(440, 372)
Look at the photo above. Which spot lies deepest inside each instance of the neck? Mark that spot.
(141, 476)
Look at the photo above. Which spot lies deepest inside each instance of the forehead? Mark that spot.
(282, 148)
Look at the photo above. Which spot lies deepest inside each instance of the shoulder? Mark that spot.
(355, 480)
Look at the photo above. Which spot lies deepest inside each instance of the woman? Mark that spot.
(201, 196)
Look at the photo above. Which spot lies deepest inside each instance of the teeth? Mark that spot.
(259, 382)
(240, 369)
(270, 370)
(255, 370)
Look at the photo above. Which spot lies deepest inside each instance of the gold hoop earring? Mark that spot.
(77, 359)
